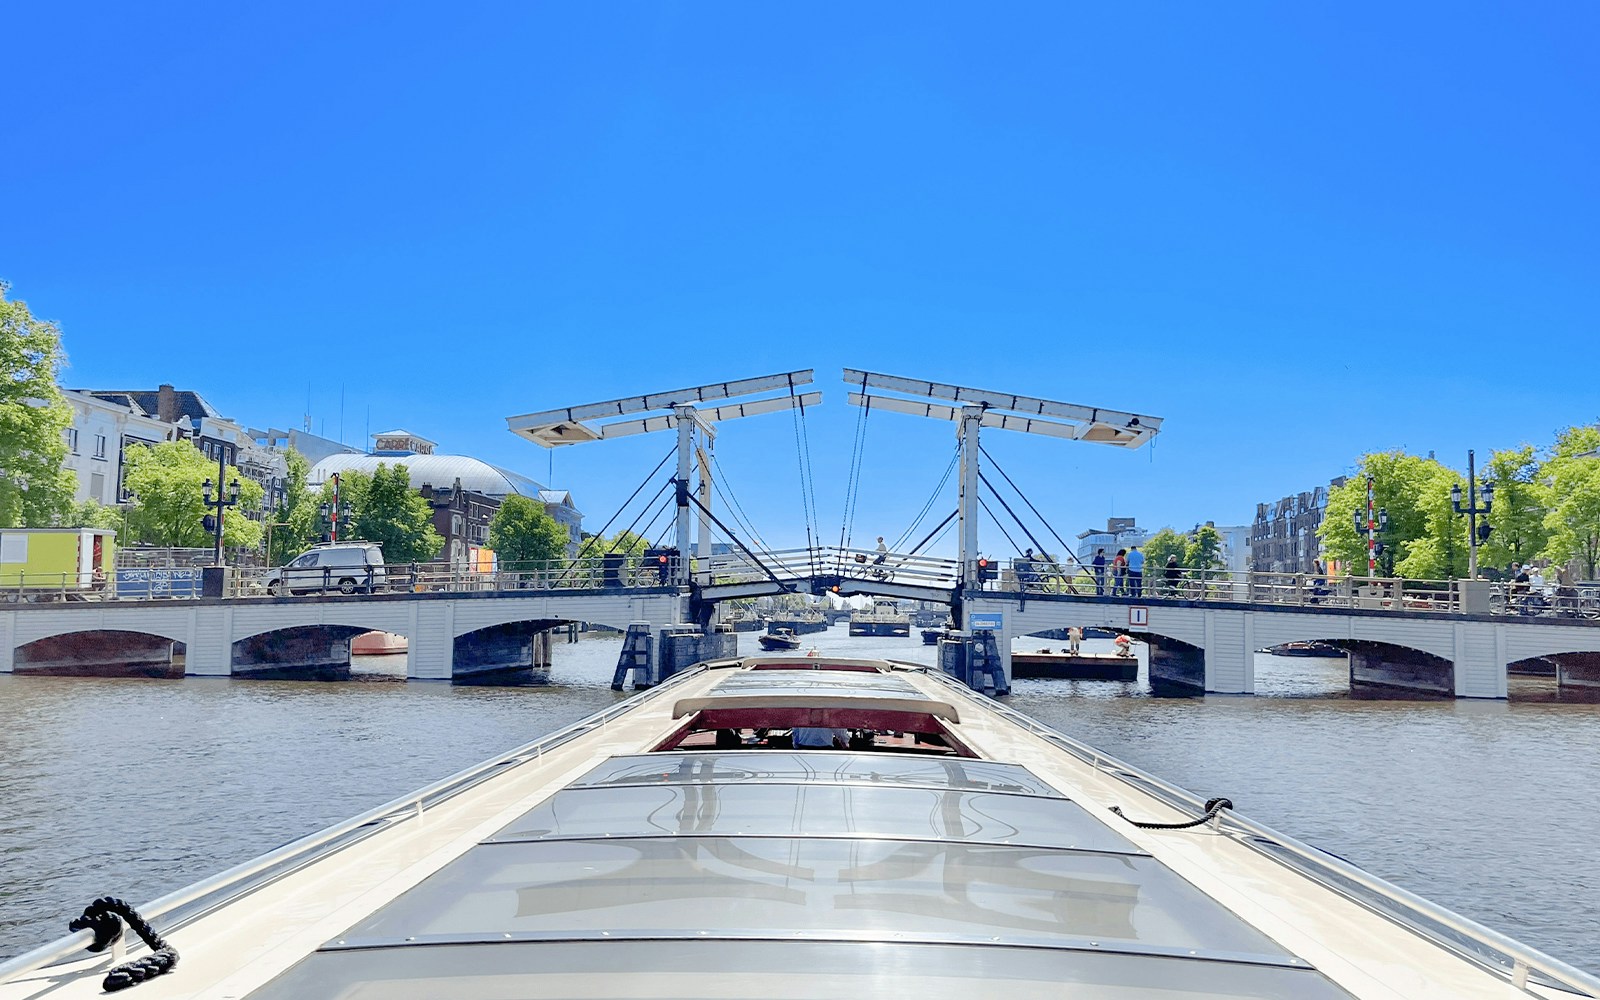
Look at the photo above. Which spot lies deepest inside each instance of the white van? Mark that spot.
(348, 567)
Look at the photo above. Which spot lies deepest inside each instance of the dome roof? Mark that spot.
(438, 471)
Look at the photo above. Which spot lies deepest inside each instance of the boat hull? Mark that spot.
(1082, 667)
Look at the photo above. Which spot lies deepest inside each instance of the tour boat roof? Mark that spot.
(591, 865)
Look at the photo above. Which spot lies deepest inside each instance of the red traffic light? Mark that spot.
(983, 563)
(662, 560)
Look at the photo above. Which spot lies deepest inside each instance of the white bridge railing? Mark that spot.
(801, 565)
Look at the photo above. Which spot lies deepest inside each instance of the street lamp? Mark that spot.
(220, 504)
(1475, 532)
(1377, 536)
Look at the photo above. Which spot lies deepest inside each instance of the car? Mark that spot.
(348, 567)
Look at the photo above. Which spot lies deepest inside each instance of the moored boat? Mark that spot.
(688, 843)
(884, 618)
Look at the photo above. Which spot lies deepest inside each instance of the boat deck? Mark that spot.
(960, 855)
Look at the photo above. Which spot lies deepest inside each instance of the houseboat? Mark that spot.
(883, 618)
(690, 843)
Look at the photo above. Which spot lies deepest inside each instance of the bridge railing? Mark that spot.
(1395, 594)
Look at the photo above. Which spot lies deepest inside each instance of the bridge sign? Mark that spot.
(992, 621)
(1138, 616)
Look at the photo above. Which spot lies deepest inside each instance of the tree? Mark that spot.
(295, 528)
(1574, 517)
(1158, 546)
(623, 542)
(388, 511)
(34, 489)
(522, 533)
(1521, 504)
(1204, 550)
(1423, 534)
(92, 513)
(167, 480)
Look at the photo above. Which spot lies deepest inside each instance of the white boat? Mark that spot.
(678, 845)
(883, 618)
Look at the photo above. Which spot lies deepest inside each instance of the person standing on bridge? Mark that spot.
(1099, 564)
(883, 552)
(1119, 573)
(1135, 571)
(1174, 575)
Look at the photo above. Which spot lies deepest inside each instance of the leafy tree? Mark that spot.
(522, 533)
(388, 511)
(92, 513)
(1423, 536)
(1574, 518)
(296, 527)
(623, 542)
(1204, 550)
(1157, 547)
(168, 483)
(1521, 504)
(34, 489)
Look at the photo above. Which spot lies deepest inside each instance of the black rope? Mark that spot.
(588, 546)
(101, 916)
(1213, 806)
(1065, 548)
(932, 499)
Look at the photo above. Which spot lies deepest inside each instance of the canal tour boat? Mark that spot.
(685, 844)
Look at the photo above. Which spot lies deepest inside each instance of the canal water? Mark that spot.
(136, 787)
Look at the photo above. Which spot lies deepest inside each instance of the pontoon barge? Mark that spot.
(677, 845)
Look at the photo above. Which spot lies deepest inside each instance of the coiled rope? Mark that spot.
(101, 916)
(1213, 806)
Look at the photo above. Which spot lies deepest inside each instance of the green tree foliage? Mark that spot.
(385, 509)
(1426, 538)
(94, 514)
(35, 490)
(1521, 504)
(523, 536)
(1157, 547)
(1574, 517)
(296, 527)
(168, 482)
(623, 542)
(1204, 550)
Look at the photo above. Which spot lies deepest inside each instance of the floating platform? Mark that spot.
(1075, 667)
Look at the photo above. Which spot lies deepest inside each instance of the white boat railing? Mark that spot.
(177, 908)
(1484, 946)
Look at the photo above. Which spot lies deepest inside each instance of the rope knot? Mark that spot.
(105, 917)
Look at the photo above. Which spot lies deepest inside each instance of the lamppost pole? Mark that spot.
(221, 503)
(1372, 536)
(1472, 510)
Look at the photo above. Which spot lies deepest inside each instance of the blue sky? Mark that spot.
(1296, 233)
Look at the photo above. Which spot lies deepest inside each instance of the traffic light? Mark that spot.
(1484, 530)
(662, 560)
(987, 570)
(209, 522)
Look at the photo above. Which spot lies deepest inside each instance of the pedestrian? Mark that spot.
(1136, 571)
(883, 552)
(1074, 636)
(1173, 572)
(1025, 574)
(1119, 573)
(1099, 565)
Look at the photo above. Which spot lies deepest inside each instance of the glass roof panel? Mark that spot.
(817, 810)
(826, 768)
(886, 890)
(775, 970)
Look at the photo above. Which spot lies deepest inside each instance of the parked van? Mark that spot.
(348, 567)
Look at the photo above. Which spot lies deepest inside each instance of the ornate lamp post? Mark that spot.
(1475, 532)
(1377, 533)
(220, 504)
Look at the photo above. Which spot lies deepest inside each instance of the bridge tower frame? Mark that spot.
(981, 408)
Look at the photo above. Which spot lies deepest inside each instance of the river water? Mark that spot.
(136, 787)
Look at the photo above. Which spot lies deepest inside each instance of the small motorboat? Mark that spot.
(930, 636)
(779, 638)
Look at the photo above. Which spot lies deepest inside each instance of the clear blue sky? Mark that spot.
(1296, 232)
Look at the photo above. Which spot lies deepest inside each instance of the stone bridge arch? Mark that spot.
(101, 652)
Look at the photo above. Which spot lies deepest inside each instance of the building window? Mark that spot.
(99, 446)
(72, 440)
(97, 485)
